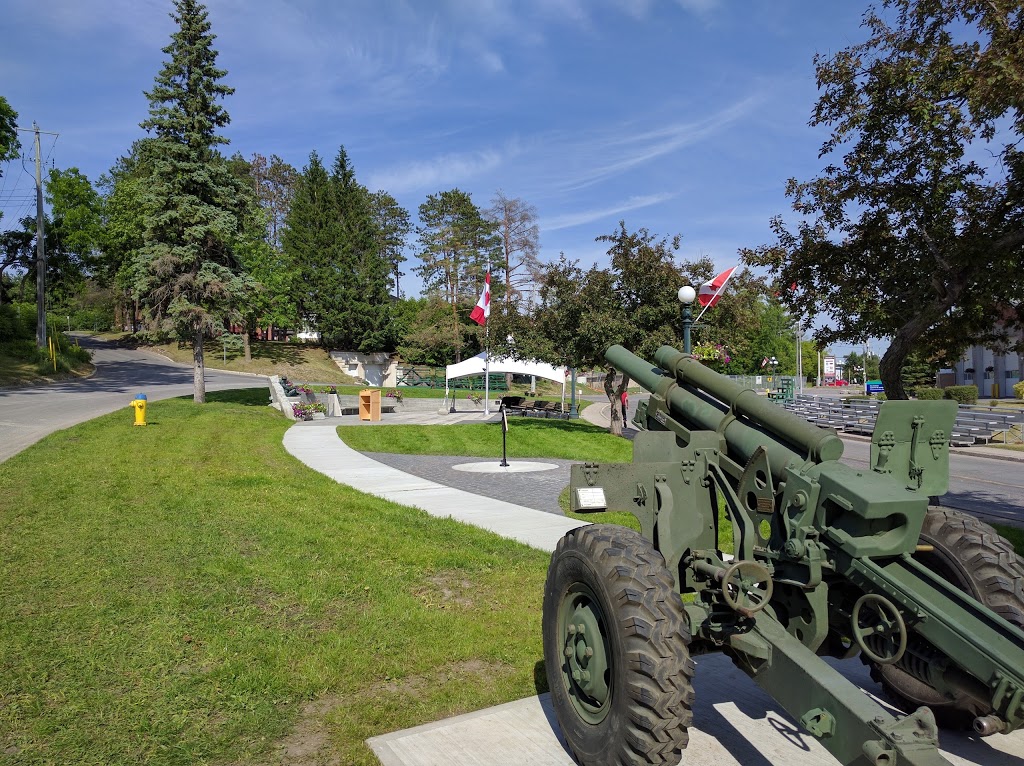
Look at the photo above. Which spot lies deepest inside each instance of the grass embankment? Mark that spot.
(301, 363)
(22, 364)
(307, 364)
(189, 593)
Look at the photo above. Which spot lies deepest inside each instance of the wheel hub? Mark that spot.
(585, 670)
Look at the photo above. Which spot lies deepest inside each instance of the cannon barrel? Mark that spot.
(789, 440)
(821, 444)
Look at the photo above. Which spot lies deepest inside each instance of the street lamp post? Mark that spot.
(687, 295)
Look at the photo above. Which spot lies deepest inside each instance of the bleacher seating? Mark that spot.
(974, 424)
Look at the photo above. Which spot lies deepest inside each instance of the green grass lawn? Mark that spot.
(189, 593)
(527, 437)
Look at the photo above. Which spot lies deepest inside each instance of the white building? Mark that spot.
(993, 372)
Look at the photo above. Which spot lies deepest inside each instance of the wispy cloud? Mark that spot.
(699, 7)
(635, 149)
(439, 172)
(579, 218)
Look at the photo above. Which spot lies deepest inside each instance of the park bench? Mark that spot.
(541, 408)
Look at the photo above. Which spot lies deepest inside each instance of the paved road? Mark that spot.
(28, 414)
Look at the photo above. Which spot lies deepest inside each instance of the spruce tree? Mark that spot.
(361, 319)
(190, 279)
(310, 240)
(344, 274)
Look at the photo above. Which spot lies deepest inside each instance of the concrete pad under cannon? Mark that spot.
(735, 724)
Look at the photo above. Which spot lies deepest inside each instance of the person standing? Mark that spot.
(625, 406)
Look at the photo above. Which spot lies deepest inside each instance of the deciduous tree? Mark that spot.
(9, 144)
(916, 232)
(274, 184)
(516, 222)
(632, 303)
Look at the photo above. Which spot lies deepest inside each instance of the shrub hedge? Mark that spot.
(1018, 390)
(962, 394)
(928, 392)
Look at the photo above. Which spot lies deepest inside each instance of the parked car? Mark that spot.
(839, 382)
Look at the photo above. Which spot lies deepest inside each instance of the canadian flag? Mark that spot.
(710, 292)
(482, 310)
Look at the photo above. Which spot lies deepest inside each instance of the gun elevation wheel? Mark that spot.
(747, 587)
(879, 629)
(972, 556)
(616, 649)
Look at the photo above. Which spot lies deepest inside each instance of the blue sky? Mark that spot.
(683, 116)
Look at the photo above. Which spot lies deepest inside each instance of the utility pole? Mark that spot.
(40, 251)
(799, 357)
(40, 244)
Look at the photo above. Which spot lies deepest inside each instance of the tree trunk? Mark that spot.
(246, 332)
(891, 365)
(614, 394)
(902, 343)
(198, 369)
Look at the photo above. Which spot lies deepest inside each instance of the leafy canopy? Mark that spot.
(916, 231)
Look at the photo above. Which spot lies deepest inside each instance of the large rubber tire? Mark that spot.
(971, 555)
(638, 706)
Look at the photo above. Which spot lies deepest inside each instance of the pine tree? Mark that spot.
(361, 319)
(190, 279)
(457, 246)
(344, 274)
(310, 240)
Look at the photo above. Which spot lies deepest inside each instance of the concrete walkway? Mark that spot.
(735, 724)
(316, 444)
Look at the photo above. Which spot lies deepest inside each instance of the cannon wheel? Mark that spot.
(616, 649)
(971, 555)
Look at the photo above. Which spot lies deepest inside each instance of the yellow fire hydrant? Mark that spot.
(139, 403)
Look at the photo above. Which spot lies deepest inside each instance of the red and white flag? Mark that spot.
(710, 292)
(482, 310)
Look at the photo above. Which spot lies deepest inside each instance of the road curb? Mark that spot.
(988, 455)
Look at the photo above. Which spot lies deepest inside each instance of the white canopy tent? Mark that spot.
(477, 365)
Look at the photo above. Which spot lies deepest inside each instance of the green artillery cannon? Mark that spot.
(827, 561)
